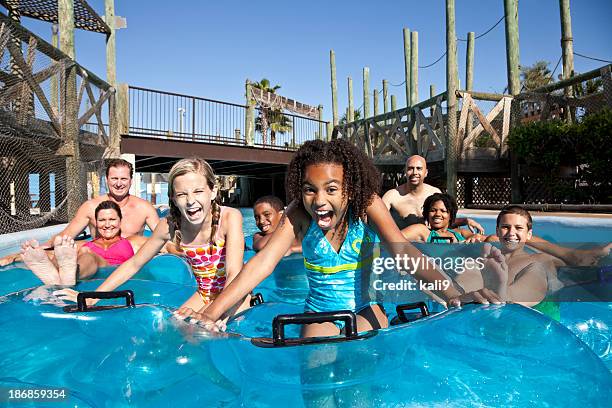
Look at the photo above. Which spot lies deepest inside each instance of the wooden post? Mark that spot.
(432, 93)
(512, 46)
(514, 85)
(54, 78)
(451, 100)
(375, 97)
(320, 135)
(351, 105)
(109, 16)
(249, 117)
(393, 103)
(567, 45)
(385, 95)
(334, 86)
(70, 130)
(414, 68)
(330, 131)
(407, 69)
(366, 92)
(469, 79)
(44, 202)
(122, 109)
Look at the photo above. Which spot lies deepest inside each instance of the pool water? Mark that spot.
(475, 356)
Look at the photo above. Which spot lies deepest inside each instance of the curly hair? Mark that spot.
(449, 203)
(361, 180)
(182, 167)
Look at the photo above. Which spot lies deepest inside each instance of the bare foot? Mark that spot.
(38, 262)
(495, 271)
(589, 257)
(66, 257)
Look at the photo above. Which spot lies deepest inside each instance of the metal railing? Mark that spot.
(174, 116)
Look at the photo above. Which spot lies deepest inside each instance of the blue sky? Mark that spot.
(209, 48)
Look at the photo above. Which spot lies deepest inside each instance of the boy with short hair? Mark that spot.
(268, 212)
(514, 274)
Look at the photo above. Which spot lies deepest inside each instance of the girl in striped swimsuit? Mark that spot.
(207, 234)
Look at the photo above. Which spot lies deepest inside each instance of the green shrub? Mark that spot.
(588, 145)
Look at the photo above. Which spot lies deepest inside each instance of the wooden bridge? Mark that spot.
(161, 127)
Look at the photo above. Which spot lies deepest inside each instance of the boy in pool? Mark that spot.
(514, 274)
(268, 211)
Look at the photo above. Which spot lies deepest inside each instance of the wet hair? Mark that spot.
(449, 203)
(361, 179)
(273, 201)
(191, 165)
(518, 210)
(119, 163)
(108, 205)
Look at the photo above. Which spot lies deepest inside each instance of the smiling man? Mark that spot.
(136, 212)
(405, 202)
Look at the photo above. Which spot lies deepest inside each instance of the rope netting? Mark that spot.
(33, 173)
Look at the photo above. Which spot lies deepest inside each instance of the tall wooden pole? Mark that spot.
(393, 103)
(74, 184)
(512, 46)
(385, 95)
(567, 42)
(320, 135)
(334, 87)
(514, 85)
(414, 68)
(54, 78)
(432, 93)
(451, 101)
(351, 105)
(249, 117)
(469, 74)
(111, 76)
(375, 97)
(366, 92)
(407, 64)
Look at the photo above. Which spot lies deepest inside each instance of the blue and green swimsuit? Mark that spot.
(335, 277)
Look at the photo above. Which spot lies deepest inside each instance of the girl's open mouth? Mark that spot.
(324, 218)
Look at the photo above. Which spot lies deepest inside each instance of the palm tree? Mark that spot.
(268, 118)
(535, 76)
(356, 117)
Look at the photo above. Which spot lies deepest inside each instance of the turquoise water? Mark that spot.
(477, 356)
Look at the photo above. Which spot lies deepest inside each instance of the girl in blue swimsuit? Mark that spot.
(332, 188)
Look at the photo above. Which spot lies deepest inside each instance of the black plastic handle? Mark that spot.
(280, 321)
(401, 310)
(256, 299)
(83, 296)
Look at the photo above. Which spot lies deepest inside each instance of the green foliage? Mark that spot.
(484, 140)
(356, 115)
(535, 76)
(586, 145)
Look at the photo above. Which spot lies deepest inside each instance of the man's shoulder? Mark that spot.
(431, 189)
(391, 195)
(91, 204)
(141, 203)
